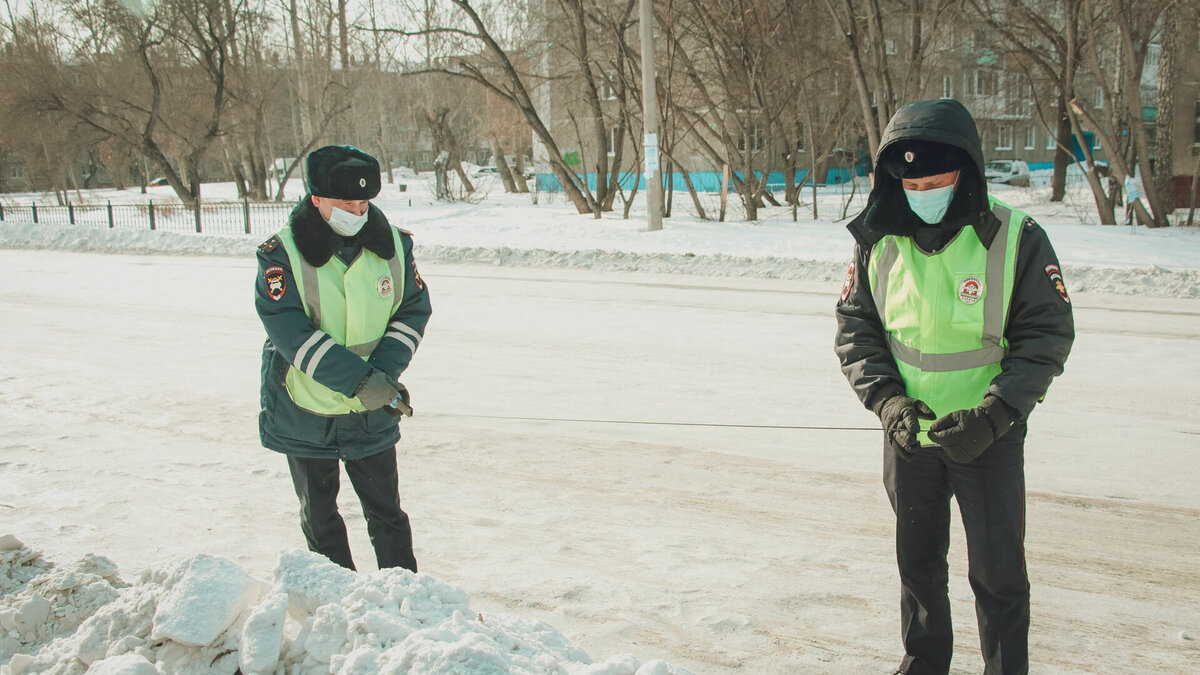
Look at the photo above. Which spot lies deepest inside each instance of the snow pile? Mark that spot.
(207, 615)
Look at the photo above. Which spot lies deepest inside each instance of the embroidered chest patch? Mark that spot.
(970, 290)
(276, 282)
(385, 287)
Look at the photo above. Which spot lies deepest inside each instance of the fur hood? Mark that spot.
(318, 242)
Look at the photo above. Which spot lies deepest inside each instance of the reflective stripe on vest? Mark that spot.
(351, 305)
(945, 313)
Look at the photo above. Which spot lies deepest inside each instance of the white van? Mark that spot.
(1010, 171)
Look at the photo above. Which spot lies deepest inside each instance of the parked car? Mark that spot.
(492, 171)
(159, 181)
(1009, 171)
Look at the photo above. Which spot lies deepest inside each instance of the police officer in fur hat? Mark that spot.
(952, 322)
(344, 309)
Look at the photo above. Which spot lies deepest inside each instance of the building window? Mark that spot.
(1004, 137)
(981, 82)
(607, 93)
(800, 138)
(947, 87)
(16, 172)
(1030, 137)
(754, 134)
(1099, 98)
(1152, 52)
(1050, 143)
(890, 47)
(613, 139)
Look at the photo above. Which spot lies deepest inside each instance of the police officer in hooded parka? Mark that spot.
(952, 322)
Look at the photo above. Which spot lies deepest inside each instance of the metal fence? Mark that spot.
(244, 217)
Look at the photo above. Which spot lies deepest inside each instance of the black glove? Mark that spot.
(900, 416)
(401, 406)
(377, 389)
(965, 434)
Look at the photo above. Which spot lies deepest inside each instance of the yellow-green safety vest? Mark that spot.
(945, 313)
(352, 304)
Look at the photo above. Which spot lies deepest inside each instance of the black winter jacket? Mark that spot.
(1040, 328)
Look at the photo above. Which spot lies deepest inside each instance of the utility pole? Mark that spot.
(654, 195)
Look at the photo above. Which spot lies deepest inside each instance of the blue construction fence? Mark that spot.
(703, 181)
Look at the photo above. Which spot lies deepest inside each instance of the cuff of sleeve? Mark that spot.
(1015, 413)
(1000, 414)
(883, 393)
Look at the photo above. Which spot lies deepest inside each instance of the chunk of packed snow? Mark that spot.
(204, 602)
(207, 615)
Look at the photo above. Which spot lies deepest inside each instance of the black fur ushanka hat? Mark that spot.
(342, 172)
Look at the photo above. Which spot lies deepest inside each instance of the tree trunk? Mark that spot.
(1192, 193)
(1164, 127)
(687, 180)
(849, 30)
(522, 186)
(1137, 129)
(1062, 158)
(1104, 200)
(506, 176)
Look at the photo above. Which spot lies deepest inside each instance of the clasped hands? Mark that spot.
(962, 434)
(378, 390)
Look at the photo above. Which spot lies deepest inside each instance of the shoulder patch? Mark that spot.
(276, 282)
(417, 276)
(1056, 278)
(848, 285)
(269, 245)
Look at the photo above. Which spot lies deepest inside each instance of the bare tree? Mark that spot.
(725, 51)
(1044, 38)
(469, 50)
(850, 27)
(504, 130)
(1134, 23)
(155, 81)
(1170, 58)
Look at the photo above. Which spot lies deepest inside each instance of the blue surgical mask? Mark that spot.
(930, 205)
(345, 223)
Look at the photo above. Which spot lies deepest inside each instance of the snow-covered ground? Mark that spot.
(138, 496)
(500, 229)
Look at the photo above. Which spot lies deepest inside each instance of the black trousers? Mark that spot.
(991, 500)
(376, 483)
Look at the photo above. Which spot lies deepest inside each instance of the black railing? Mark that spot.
(244, 217)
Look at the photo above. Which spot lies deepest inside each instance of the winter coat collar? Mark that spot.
(317, 242)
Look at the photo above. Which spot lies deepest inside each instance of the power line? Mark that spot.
(581, 420)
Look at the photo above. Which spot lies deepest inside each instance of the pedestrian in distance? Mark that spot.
(344, 309)
(953, 320)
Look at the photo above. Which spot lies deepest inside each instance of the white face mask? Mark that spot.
(930, 205)
(345, 223)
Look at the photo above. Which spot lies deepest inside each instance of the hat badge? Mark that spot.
(362, 182)
(909, 156)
